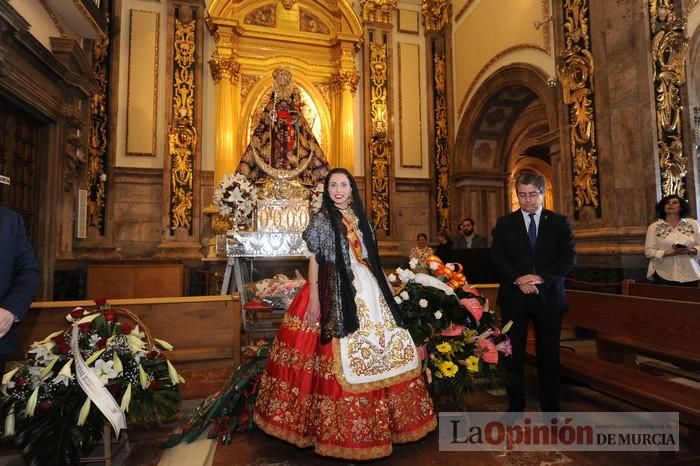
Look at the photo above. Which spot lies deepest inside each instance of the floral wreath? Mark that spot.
(53, 420)
(460, 340)
(236, 197)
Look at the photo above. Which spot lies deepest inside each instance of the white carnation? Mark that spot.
(423, 303)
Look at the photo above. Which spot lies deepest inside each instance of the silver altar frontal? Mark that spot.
(281, 215)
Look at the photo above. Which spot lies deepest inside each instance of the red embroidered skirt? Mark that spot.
(302, 401)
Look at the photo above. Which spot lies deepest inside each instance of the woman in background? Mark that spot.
(342, 375)
(421, 251)
(672, 244)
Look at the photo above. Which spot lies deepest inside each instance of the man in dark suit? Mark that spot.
(532, 250)
(467, 238)
(19, 279)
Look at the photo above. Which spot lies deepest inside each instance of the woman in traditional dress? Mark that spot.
(343, 376)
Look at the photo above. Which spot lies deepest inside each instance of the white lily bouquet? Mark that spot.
(236, 197)
(106, 366)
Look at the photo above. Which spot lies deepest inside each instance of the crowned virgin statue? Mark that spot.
(282, 146)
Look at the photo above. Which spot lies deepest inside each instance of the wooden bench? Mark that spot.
(649, 290)
(666, 329)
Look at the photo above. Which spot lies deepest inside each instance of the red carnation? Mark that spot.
(110, 315)
(101, 300)
(126, 328)
(59, 340)
(63, 348)
(44, 405)
(20, 382)
(77, 313)
(101, 343)
(152, 354)
(154, 385)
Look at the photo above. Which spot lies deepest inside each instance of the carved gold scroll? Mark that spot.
(182, 134)
(576, 77)
(379, 146)
(440, 141)
(99, 138)
(669, 48)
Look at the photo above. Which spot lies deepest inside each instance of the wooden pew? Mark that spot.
(205, 330)
(649, 290)
(667, 329)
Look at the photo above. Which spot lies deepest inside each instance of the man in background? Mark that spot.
(19, 277)
(532, 250)
(469, 239)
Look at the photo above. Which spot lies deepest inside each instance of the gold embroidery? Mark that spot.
(298, 324)
(352, 426)
(391, 348)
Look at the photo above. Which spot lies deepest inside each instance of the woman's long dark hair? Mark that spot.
(340, 233)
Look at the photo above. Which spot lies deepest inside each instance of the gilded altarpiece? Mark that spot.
(316, 40)
(669, 49)
(576, 71)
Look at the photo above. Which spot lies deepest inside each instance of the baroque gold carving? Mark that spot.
(347, 80)
(225, 68)
(576, 77)
(247, 83)
(378, 11)
(263, 16)
(182, 134)
(691, 5)
(288, 4)
(325, 90)
(308, 22)
(98, 138)
(440, 141)
(380, 146)
(436, 14)
(669, 49)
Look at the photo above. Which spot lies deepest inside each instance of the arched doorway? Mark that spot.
(511, 124)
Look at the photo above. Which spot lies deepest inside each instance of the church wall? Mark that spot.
(154, 93)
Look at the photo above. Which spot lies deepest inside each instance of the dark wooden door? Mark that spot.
(19, 145)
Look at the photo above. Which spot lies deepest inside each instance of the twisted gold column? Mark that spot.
(226, 74)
